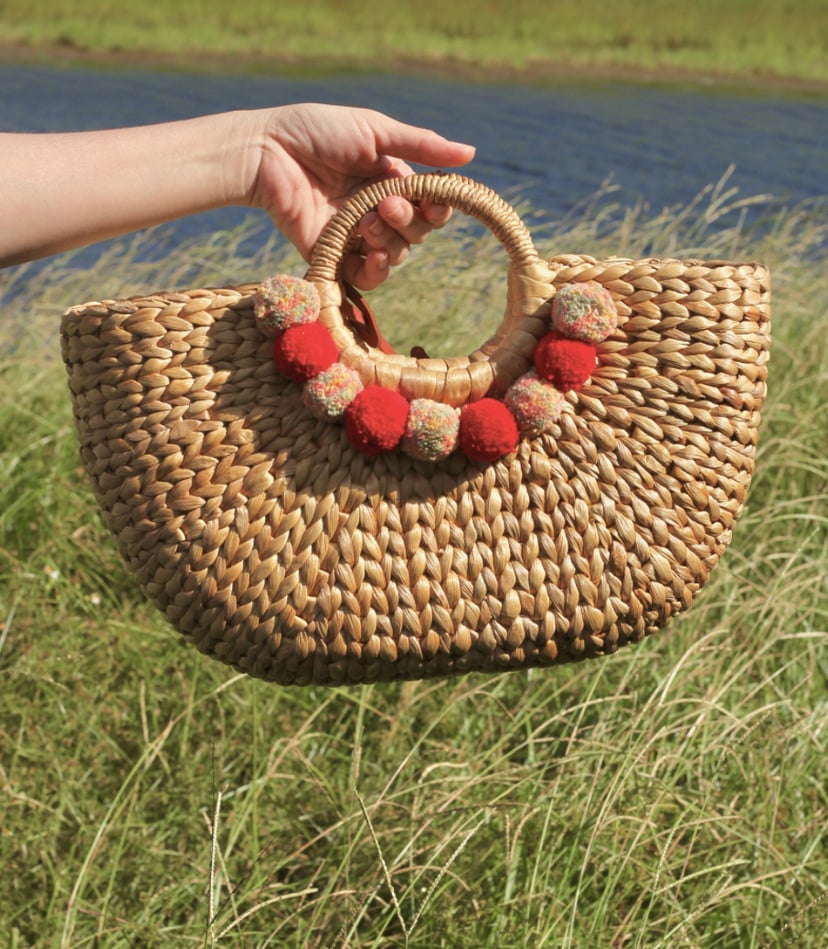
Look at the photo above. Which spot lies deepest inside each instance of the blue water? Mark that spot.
(557, 145)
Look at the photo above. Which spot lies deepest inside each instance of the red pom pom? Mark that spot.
(488, 430)
(303, 351)
(566, 363)
(375, 420)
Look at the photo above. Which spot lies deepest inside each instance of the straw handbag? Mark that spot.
(277, 542)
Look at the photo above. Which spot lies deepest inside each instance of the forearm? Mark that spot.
(59, 191)
(299, 163)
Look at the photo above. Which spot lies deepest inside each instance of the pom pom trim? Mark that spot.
(485, 430)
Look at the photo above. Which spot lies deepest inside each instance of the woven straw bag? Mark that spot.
(275, 546)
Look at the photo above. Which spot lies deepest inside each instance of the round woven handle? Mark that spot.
(456, 379)
(454, 191)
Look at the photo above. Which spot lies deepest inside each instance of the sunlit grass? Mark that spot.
(672, 795)
(743, 38)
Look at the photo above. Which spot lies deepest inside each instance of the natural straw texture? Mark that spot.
(501, 360)
(273, 545)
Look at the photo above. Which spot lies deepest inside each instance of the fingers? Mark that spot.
(412, 222)
(396, 224)
(388, 234)
(368, 272)
(381, 236)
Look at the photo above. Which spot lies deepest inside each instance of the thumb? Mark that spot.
(423, 146)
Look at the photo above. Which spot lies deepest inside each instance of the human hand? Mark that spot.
(314, 157)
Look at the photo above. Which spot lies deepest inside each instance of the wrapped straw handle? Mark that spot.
(455, 191)
(455, 380)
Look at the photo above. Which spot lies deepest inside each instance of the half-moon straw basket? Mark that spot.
(273, 545)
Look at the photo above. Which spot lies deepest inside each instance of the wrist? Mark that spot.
(233, 159)
(244, 148)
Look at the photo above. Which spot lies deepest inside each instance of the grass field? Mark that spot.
(671, 796)
(746, 39)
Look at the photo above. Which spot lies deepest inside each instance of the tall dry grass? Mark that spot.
(672, 795)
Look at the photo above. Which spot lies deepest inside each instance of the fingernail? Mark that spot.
(373, 223)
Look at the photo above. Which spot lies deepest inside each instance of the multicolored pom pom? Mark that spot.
(584, 311)
(375, 421)
(284, 301)
(331, 392)
(566, 363)
(379, 420)
(535, 403)
(303, 351)
(431, 431)
(488, 430)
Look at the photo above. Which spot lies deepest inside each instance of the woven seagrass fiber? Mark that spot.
(276, 547)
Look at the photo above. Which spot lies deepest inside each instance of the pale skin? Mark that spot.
(299, 163)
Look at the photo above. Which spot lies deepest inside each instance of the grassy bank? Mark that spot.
(743, 39)
(671, 796)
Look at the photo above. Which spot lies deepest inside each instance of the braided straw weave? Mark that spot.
(276, 547)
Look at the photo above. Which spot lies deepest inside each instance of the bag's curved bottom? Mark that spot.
(275, 547)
